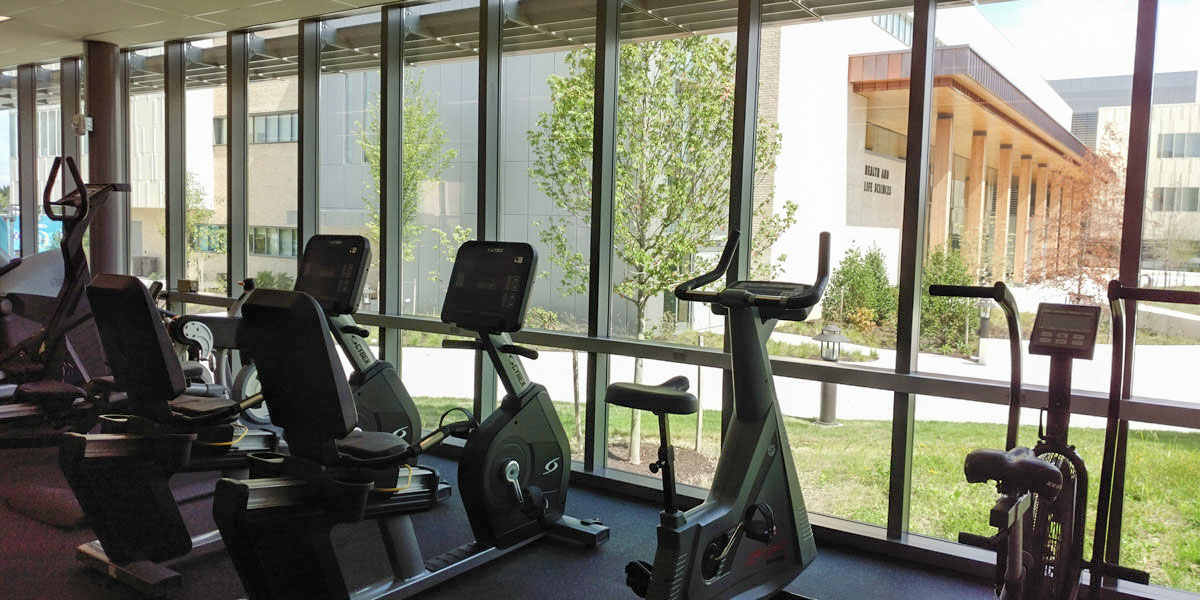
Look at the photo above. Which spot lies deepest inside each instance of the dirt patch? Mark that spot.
(691, 467)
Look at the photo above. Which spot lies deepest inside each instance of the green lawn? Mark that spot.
(844, 472)
(1189, 308)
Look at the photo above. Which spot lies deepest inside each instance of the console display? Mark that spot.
(333, 269)
(490, 285)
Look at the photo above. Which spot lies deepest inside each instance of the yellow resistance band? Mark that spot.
(406, 485)
(245, 430)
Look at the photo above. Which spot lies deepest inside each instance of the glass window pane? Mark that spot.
(147, 167)
(205, 184)
(1193, 145)
(441, 90)
(348, 195)
(272, 169)
(273, 241)
(10, 213)
(546, 166)
(47, 94)
(1179, 140)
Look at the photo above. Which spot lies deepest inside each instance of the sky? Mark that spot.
(1087, 38)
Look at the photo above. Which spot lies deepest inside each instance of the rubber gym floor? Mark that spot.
(37, 561)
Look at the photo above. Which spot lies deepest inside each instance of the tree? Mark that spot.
(4, 197)
(202, 235)
(946, 322)
(424, 157)
(859, 292)
(674, 143)
(1084, 266)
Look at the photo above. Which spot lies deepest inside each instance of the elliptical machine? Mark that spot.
(49, 345)
(751, 537)
(513, 474)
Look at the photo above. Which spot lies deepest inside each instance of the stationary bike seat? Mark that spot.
(1018, 469)
(371, 444)
(670, 396)
(49, 395)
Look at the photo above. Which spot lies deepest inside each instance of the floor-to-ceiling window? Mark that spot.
(205, 235)
(147, 165)
(10, 212)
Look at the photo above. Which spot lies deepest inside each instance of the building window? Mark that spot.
(49, 127)
(275, 129)
(1172, 199)
(1178, 145)
(209, 238)
(220, 131)
(274, 241)
(886, 142)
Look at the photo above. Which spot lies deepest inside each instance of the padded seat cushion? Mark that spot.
(198, 406)
(1018, 468)
(670, 396)
(193, 369)
(371, 444)
(53, 394)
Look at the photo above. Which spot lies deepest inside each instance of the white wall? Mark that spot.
(812, 166)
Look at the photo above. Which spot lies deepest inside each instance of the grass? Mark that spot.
(1188, 308)
(843, 471)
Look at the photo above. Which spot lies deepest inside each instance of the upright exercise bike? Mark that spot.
(751, 537)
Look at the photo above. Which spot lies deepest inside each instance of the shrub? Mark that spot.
(274, 280)
(945, 321)
(858, 293)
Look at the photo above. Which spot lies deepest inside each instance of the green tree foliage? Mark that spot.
(424, 157)
(203, 236)
(945, 322)
(674, 144)
(859, 293)
(5, 192)
(275, 280)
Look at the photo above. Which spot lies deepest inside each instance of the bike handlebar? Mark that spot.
(687, 289)
(809, 297)
(1002, 296)
(81, 208)
(1118, 291)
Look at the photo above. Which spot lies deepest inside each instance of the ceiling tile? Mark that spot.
(193, 8)
(20, 33)
(271, 12)
(83, 17)
(13, 7)
(169, 30)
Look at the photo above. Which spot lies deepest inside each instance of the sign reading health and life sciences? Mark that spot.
(49, 234)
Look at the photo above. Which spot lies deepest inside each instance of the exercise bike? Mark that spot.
(49, 347)
(1041, 513)
(751, 537)
(513, 474)
(333, 269)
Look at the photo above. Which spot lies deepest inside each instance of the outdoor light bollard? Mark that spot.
(985, 322)
(831, 339)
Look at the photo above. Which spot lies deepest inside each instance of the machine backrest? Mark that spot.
(299, 369)
(140, 355)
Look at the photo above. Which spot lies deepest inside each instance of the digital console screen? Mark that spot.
(489, 286)
(332, 271)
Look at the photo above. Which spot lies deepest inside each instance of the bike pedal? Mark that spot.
(637, 576)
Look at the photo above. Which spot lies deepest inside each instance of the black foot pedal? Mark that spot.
(637, 577)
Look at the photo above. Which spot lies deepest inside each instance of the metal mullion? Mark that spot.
(391, 176)
(604, 154)
(174, 67)
(912, 255)
(491, 29)
(27, 157)
(1141, 115)
(741, 177)
(237, 154)
(68, 82)
(309, 146)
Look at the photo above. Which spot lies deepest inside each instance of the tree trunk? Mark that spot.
(635, 419)
(575, 380)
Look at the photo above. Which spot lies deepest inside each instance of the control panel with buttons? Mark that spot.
(1065, 329)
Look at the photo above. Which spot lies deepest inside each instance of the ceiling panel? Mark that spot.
(94, 16)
